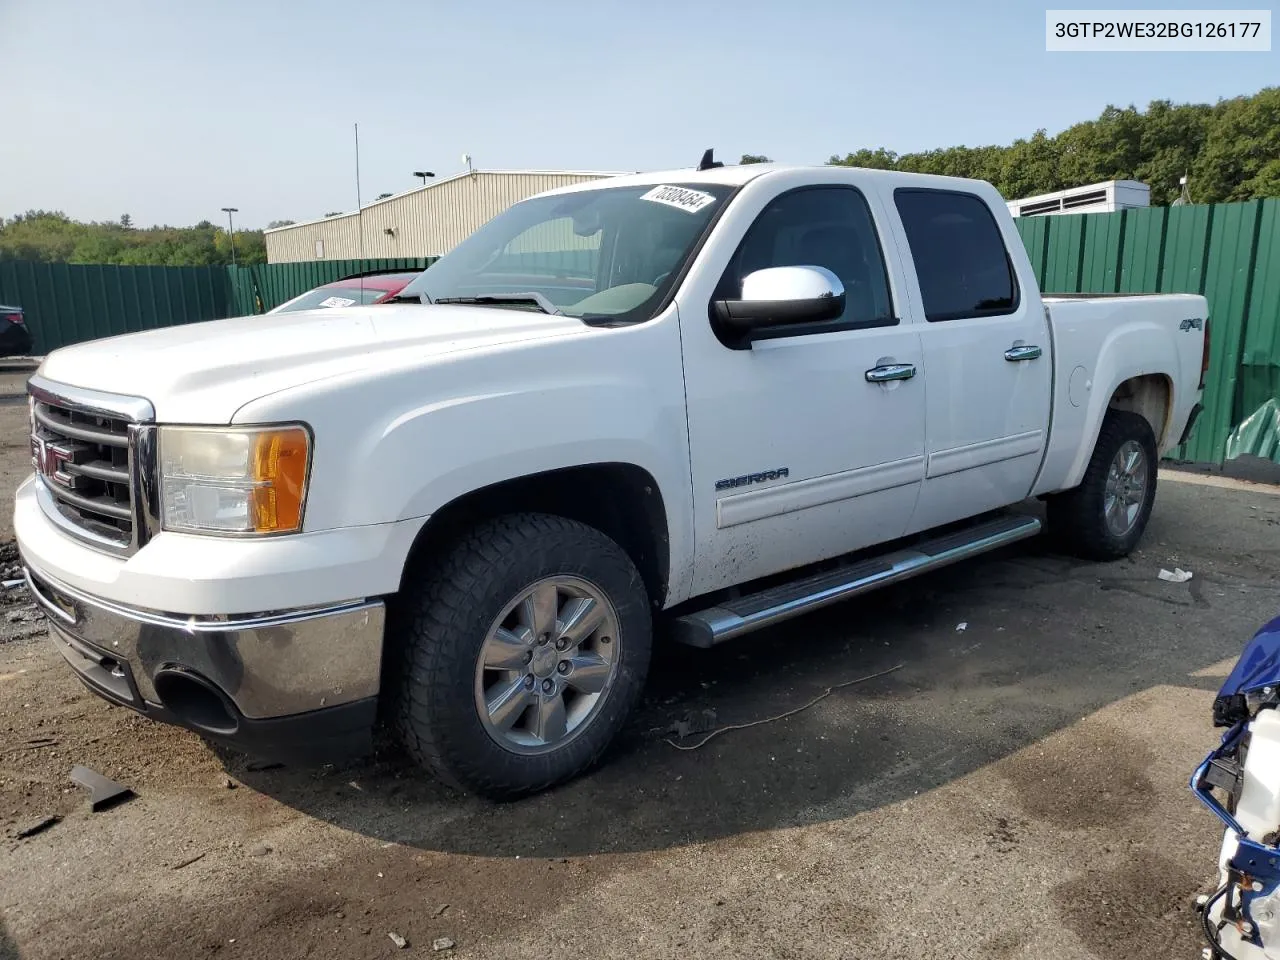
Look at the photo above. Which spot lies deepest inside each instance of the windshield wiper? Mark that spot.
(409, 298)
(537, 299)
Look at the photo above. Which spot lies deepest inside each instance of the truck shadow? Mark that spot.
(994, 655)
(8, 949)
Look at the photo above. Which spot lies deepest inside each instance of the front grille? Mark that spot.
(82, 457)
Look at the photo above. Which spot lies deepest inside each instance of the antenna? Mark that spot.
(707, 163)
(359, 209)
(1184, 192)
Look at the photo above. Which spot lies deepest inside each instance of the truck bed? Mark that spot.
(1110, 338)
(1051, 297)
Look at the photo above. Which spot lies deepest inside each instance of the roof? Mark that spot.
(738, 174)
(599, 174)
(734, 175)
(731, 175)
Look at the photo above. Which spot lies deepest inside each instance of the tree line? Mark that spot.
(1229, 151)
(50, 236)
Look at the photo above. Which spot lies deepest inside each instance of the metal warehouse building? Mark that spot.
(427, 221)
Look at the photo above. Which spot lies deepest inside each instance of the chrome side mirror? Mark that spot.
(782, 296)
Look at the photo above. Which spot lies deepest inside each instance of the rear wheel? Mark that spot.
(1105, 517)
(524, 651)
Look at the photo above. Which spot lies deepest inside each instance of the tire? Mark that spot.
(452, 614)
(1078, 519)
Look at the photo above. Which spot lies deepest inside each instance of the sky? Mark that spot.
(169, 110)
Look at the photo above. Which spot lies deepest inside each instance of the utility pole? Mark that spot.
(231, 231)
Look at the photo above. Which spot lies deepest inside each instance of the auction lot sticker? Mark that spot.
(682, 198)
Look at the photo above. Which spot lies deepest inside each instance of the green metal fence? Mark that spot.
(67, 303)
(1228, 252)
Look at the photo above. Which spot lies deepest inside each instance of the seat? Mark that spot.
(839, 248)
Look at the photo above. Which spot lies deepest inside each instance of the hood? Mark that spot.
(1259, 664)
(204, 372)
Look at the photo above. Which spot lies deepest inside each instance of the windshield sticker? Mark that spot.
(681, 198)
(336, 302)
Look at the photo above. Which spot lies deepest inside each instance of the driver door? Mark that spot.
(796, 455)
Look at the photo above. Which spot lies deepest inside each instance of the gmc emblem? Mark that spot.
(48, 460)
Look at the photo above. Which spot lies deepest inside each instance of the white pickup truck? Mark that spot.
(723, 396)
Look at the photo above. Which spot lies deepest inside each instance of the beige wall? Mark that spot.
(428, 222)
(337, 234)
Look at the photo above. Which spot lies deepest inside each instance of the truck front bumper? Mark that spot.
(295, 685)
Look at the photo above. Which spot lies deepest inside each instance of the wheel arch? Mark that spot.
(622, 500)
(1150, 396)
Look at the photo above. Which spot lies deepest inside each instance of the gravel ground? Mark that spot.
(1016, 789)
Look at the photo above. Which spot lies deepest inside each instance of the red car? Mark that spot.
(350, 292)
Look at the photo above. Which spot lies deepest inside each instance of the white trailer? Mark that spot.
(1095, 198)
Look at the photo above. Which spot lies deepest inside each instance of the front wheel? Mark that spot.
(1105, 517)
(525, 649)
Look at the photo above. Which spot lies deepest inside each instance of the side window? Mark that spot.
(824, 227)
(960, 257)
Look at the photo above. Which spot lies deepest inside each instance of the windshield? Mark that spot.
(603, 253)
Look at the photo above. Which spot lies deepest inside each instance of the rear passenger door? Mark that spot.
(987, 358)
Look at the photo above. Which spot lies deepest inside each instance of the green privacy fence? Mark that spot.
(1228, 252)
(69, 303)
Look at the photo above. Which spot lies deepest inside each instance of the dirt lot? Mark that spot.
(1016, 789)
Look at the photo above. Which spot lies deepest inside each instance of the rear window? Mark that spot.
(960, 257)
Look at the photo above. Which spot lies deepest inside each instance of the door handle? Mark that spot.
(891, 371)
(1024, 352)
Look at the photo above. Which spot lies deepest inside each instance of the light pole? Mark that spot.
(423, 174)
(231, 231)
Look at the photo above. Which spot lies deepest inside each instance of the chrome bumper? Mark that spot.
(263, 667)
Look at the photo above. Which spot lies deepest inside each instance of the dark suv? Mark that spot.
(15, 338)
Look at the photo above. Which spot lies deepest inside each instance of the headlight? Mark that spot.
(238, 480)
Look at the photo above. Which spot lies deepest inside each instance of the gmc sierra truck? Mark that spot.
(722, 396)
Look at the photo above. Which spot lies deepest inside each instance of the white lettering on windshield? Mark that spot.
(681, 198)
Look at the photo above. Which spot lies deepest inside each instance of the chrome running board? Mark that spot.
(733, 618)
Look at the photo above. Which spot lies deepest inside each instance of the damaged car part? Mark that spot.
(103, 793)
(1239, 782)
